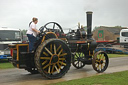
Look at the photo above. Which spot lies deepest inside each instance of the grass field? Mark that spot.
(116, 55)
(119, 78)
(4, 64)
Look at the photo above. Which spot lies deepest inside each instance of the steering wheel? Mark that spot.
(51, 26)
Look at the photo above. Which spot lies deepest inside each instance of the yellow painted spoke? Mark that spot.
(97, 61)
(100, 56)
(63, 54)
(61, 58)
(48, 51)
(46, 66)
(104, 58)
(58, 65)
(101, 66)
(45, 53)
(51, 47)
(58, 48)
(49, 69)
(62, 63)
(47, 58)
(98, 66)
(53, 68)
(54, 49)
(44, 62)
(57, 69)
(60, 52)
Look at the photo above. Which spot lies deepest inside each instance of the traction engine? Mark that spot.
(54, 51)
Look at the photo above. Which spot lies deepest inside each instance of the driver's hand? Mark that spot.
(38, 32)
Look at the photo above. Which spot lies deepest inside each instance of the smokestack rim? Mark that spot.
(89, 12)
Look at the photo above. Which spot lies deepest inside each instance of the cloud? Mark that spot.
(18, 13)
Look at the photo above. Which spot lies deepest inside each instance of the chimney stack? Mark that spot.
(89, 24)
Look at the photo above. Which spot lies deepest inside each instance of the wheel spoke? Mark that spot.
(98, 56)
(62, 63)
(76, 55)
(97, 61)
(58, 48)
(98, 66)
(46, 58)
(49, 69)
(58, 65)
(44, 62)
(45, 53)
(78, 64)
(57, 69)
(103, 58)
(79, 54)
(54, 49)
(63, 54)
(61, 58)
(51, 48)
(53, 68)
(74, 58)
(48, 51)
(53, 25)
(60, 52)
(101, 66)
(46, 66)
(82, 55)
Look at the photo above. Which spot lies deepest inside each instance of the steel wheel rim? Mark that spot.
(59, 66)
(76, 60)
(100, 61)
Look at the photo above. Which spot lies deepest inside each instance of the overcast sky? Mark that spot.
(18, 13)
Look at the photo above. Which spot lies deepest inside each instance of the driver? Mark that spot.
(32, 33)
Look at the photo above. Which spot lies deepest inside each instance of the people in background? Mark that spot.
(32, 33)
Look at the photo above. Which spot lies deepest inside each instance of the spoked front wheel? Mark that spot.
(100, 61)
(77, 60)
(53, 58)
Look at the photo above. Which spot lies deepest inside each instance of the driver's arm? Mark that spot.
(37, 31)
(33, 27)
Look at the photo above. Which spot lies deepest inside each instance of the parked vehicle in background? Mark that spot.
(8, 36)
(107, 36)
(124, 37)
(24, 39)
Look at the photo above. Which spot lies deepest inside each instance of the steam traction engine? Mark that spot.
(55, 50)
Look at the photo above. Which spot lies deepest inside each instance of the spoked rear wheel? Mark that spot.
(77, 60)
(53, 58)
(100, 61)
